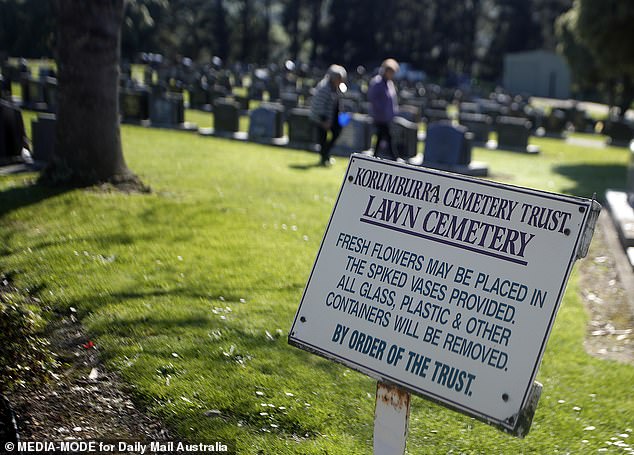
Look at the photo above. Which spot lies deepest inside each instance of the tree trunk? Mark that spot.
(88, 141)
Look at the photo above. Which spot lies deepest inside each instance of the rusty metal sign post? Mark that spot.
(444, 286)
(391, 419)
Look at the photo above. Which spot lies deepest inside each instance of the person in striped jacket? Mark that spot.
(324, 110)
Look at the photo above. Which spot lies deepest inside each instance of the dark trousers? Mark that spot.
(322, 138)
(383, 134)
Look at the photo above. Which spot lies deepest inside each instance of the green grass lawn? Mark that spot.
(189, 293)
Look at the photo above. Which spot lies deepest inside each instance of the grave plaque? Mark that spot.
(435, 115)
(199, 97)
(419, 284)
(513, 133)
(50, 93)
(555, 123)
(446, 144)
(290, 101)
(356, 136)
(243, 102)
(301, 130)
(43, 133)
(404, 137)
(134, 105)
(265, 123)
(410, 112)
(620, 132)
(226, 116)
(167, 110)
(479, 125)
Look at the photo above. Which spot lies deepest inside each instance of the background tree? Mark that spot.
(88, 142)
(605, 28)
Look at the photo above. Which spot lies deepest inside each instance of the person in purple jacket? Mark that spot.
(383, 103)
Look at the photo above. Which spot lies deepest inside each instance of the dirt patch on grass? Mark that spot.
(605, 282)
(83, 401)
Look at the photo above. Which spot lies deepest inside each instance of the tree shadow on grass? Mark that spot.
(15, 198)
(592, 178)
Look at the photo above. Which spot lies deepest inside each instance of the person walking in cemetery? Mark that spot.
(384, 104)
(324, 110)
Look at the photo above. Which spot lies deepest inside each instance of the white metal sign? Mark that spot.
(445, 285)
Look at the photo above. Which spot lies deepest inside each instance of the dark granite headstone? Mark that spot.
(446, 144)
(167, 110)
(265, 123)
(256, 90)
(513, 133)
(490, 108)
(555, 123)
(290, 100)
(469, 108)
(200, 97)
(32, 93)
(404, 137)
(12, 135)
(134, 105)
(448, 147)
(301, 130)
(410, 112)
(43, 133)
(356, 136)
(50, 94)
(435, 115)
(273, 90)
(243, 102)
(479, 125)
(620, 133)
(226, 116)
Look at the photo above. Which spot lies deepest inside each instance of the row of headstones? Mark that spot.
(38, 93)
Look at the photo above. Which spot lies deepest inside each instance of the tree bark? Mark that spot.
(88, 141)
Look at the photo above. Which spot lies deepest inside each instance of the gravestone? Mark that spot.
(226, 116)
(32, 93)
(490, 108)
(273, 90)
(167, 111)
(513, 134)
(290, 100)
(620, 132)
(301, 130)
(50, 94)
(404, 137)
(256, 90)
(243, 102)
(469, 108)
(448, 147)
(12, 134)
(435, 115)
(410, 112)
(479, 125)
(265, 123)
(200, 97)
(356, 136)
(43, 134)
(555, 124)
(134, 105)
